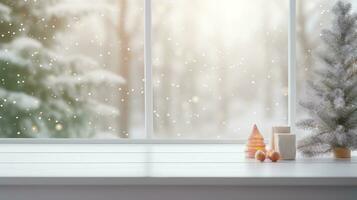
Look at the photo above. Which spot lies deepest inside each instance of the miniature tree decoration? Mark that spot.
(333, 105)
(255, 143)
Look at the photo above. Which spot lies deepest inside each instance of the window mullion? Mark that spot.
(148, 72)
(292, 65)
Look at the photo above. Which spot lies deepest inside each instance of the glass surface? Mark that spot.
(219, 67)
(71, 69)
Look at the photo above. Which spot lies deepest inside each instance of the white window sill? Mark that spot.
(161, 164)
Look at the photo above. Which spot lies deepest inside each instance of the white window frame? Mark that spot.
(149, 121)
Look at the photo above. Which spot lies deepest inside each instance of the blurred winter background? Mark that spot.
(74, 68)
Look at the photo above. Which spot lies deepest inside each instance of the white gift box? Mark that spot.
(280, 130)
(285, 144)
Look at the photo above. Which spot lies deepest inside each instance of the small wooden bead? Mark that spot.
(260, 155)
(273, 156)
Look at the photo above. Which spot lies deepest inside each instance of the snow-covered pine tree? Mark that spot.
(333, 104)
(42, 93)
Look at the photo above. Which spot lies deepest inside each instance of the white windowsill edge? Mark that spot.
(179, 181)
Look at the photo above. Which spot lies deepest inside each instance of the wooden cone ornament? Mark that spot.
(255, 143)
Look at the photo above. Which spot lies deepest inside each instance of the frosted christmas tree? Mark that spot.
(42, 92)
(333, 107)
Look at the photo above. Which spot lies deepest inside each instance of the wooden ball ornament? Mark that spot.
(273, 156)
(260, 155)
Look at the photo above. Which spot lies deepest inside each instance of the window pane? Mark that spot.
(312, 18)
(219, 67)
(71, 69)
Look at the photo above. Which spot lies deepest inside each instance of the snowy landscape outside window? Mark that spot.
(219, 67)
(75, 69)
(71, 69)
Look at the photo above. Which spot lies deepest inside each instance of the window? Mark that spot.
(72, 69)
(213, 68)
(219, 67)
